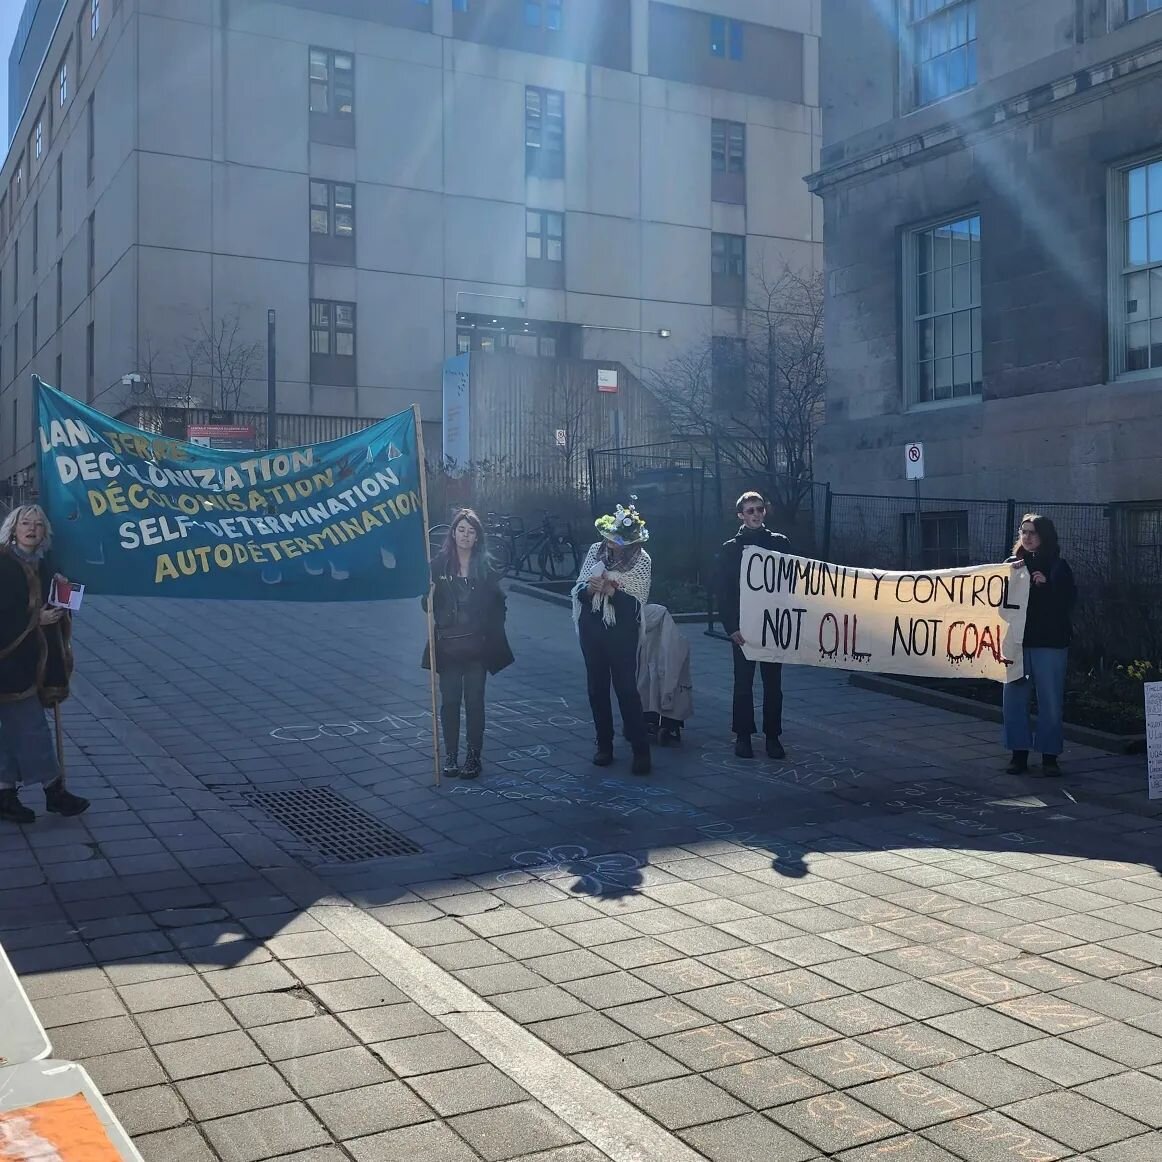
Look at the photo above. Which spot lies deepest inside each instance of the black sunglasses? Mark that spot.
(753, 510)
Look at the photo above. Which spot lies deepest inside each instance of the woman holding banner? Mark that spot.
(468, 613)
(1048, 630)
(36, 662)
(612, 588)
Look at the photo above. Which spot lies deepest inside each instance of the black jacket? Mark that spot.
(475, 606)
(34, 658)
(730, 564)
(1048, 620)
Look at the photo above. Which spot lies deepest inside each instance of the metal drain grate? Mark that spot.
(336, 829)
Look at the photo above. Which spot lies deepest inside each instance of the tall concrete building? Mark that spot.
(992, 186)
(400, 180)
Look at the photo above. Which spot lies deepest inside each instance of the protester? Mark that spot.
(663, 676)
(1048, 630)
(468, 613)
(36, 663)
(752, 512)
(612, 588)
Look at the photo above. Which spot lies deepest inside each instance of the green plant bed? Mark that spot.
(1108, 700)
(678, 596)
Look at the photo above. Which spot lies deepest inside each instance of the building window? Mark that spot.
(544, 248)
(59, 366)
(3, 219)
(35, 235)
(332, 343)
(15, 352)
(728, 373)
(35, 324)
(38, 140)
(15, 270)
(60, 194)
(90, 363)
(91, 253)
(544, 132)
(62, 82)
(943, 540)
(60, 293)
(94, 18)
(943, 41)
(728, 161)
(726, 38)
(17, 187)
(1137, 330)
(727, 270)
(332, 96)
(1136, 8)
(333, 223)
(90, 140)
(544, 14)
(942, 293)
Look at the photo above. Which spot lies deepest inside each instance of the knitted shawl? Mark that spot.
(635, 582)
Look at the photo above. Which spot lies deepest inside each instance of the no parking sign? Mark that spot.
(913, 461)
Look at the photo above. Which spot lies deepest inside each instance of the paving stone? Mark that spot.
(460, 1091)
(799, 986)
(540, 1004)
(337, 966)
(302, 1038)
(709, 1047)
(684, 1101)
(188, 1021)
(746, 963)
(766, 1082)
(265, 1133)
(634, 1063)
(57, 1012)
(323, 1073)
(654, 1018)
(853, 1015)
(984, 1028)
(254, 978)
(507, 1131)
(165, 994)
(411, 1055)
(222, 1094)
(1120, 1042)
(636, 953)
(1059, 1061)
(561, 967)
(343, 995)
(909, 1148)
(145, 1111)
(993, 1080)
(183, 1144)
(202, 1055)
(387, 1022)
(749, 1136)
(373, 1109)
(699, 941)
(538, 942)
(730, 1001)
(1137, 1095)
(860, 974)
(915, 1101)
(783, 1030)
(465, 954)
(1110, 999)
(272, 1008)
(505, 978)
(1141, 1149)
(582, 1032)
(95, 1038)
(428, 1142)
(676, 976)
(982, 986)
(68, 982)
(834, 1122)
(842, 1064)
(130, 1069)
(1073, 1119)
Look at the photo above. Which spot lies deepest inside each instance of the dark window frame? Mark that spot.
(937, 550)
(726, 37)
(91, 140)
(540, 269)
(91, 253)
(942, 47)
(90, 362)
(330, 204)
(728, 370)
(728, 270)
(546, 14)
(330, 101)
(329, 367)
(544, 132)
(728, 161)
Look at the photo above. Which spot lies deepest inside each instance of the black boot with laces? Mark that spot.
(12, 810)
(451, 767)
(61, 801)
(472, 764)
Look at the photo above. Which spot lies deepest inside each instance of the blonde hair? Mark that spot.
(8, 528)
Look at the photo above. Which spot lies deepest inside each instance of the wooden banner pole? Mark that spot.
(60, 740)
(423, 474)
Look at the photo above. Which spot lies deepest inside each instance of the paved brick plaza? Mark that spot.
(881, 949)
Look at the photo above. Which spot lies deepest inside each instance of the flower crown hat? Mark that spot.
(624, 526)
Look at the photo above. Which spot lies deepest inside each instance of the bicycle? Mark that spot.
(557, 556)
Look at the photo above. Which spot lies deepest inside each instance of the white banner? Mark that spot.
(948, 623)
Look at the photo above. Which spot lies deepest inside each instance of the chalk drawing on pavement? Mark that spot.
(591, 873)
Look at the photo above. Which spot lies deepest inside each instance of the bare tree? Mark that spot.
(209, 367)
(565, 408)
(759, 396)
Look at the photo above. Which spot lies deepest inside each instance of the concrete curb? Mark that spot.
(1087, 736)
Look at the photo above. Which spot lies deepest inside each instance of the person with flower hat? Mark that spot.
(612, 588)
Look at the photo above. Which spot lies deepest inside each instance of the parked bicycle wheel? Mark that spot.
(437, 535)
(500, 553)
(559, 560)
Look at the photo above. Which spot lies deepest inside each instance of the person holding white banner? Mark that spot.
(752, 512)
(1048, 630)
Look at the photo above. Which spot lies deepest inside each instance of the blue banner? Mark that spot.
(143, 515)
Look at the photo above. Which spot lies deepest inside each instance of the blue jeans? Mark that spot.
(1045, 668)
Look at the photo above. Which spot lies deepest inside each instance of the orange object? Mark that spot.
(64, 1129)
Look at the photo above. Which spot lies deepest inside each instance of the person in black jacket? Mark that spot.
(468, 611)
(1048, 630)
(752, 512)
(36, 663)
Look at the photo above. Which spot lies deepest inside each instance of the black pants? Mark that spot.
(610, 654)
(772, 673)
(462, 682)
